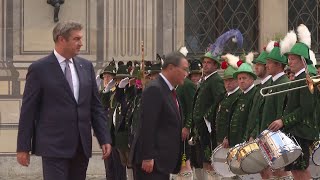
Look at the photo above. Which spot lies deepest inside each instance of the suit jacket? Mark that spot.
(159, 134)
(51, 119)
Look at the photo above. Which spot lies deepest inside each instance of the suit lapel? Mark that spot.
(170, 97)
(56, 68)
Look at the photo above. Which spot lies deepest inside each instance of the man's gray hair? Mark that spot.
(173, 58)
(64, 28)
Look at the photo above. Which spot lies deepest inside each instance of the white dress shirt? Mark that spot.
(75, 78)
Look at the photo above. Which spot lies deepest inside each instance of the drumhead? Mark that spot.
(314, 169)
(254, 162)
(250, 177)
(219, 162)
(316, 156)
(285, 159)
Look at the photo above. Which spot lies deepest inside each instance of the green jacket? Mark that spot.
(255, 115)
(238, 121)
(185, 94)
(274, 105)
(206, 100)
(298, 116)
(224, 115)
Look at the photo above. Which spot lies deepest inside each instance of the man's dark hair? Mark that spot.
(173, 58)
(120, 63)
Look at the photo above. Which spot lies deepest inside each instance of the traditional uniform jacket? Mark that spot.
(274, 105)
(238, 122)
(206, 100)
(255, 115)
(207, 97)
(298, 116)
(186, 93)
(108, 101)
(224, 115)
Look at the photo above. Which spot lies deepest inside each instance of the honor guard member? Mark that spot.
(113, 166)
(118, 115)
(208, 95)
(224, 111)
(298, 119)
(195, 71)
(255, 115)
(274, 105)
(241, 108)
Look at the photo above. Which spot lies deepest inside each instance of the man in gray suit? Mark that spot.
(60, 105)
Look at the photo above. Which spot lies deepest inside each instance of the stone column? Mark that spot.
(273, 20)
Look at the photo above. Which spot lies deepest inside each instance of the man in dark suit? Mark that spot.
(60, 105)
(157, 143)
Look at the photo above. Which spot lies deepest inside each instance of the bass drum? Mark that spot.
(219, 161)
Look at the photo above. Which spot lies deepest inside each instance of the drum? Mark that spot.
(232, 160)
(315, 152)
(278, 149)
(314, 169)
(219, 162)
(251, 158)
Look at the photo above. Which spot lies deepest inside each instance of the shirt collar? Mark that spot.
(167, 82)
(206, 77)
(60, 58)
(247, 90)
(274, 78)
(299, 72)
(265, 79)
(233, 91)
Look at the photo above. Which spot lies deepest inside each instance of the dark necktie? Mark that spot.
(68, 75)
(174, 95)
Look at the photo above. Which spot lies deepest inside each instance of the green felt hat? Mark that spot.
(155, 68)
(228, 73)
(122, 72)
(195, 67)
(110, 69)
(312, 70)
(276, 56)
(136, 72)
(245, 68)
(301, 49)
(262, 58)
(210, 56)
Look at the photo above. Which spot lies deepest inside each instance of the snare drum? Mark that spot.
(315, 152)
(233, 163)
(250, 177)
(219, 162)
(251, 158)
(278, 149)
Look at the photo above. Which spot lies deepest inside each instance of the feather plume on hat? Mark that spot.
(288, 42)
(231, 60)
(312, 57)
(304, 35)
(270, 46)
(183, 50)
(249, 58)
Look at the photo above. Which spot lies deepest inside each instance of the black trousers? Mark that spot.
(114, 169)
(66, 168)
(139, 174)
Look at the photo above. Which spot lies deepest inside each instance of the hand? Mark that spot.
(276, 125)
(109, 86)
(147, 165)
(23, 158)
(132, 82)
(225, 143)
(123, 82)
(185, 133)
(106, 150)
